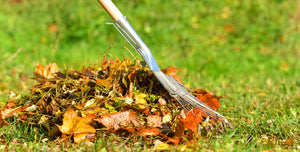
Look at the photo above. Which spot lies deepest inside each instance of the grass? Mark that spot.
(245, 50)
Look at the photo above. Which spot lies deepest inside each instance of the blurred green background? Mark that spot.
(245, 50)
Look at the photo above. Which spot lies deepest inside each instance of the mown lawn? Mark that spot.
(247, 51)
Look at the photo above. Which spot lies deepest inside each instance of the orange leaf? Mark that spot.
(191, 122)
(10, 105)
(117, 120)
(47, 72)
(79, 126)
(2, 121)
(106, 62)
(229, 28)
(105, 82)
(208, 98)
(172, 72)
(78, 137)
(174, 140)
(52, 28)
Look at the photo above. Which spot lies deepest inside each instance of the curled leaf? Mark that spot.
(47, 72)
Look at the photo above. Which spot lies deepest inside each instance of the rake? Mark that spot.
(176, 89)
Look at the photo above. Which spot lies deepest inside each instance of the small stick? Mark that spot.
(14, 55)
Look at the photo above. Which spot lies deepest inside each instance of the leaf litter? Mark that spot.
(118, 96)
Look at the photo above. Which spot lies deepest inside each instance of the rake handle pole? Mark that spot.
(111, 9)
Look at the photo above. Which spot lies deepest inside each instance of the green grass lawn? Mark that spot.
(246, 50)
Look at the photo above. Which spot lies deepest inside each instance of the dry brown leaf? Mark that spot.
(174, 140)
(149, 132)
(154, 121)
(2, 121)
(117, 120)
(10, 109)
(79, 126)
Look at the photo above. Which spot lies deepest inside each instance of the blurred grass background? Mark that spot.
(246, 50)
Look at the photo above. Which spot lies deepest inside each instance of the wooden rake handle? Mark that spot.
(111, 9)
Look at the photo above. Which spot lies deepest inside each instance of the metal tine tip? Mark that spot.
(189, 101)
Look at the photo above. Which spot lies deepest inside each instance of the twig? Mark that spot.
(130, 53)
(14, 55)
(56, 44)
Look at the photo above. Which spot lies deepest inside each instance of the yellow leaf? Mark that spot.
(167, 118)
(161, 146)
(262, 94)
(182, 148)
(79, 126)
(140, 99)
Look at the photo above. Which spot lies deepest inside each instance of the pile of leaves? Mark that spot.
(119, 96)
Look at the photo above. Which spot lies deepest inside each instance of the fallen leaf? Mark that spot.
(154, 121)
(79, 126)
(161, 146)
(149, 132)
(172, 72)
(167, 118)
(2, 121)
(105, 82)
(140, 99)
(80, 137)
(162, 101)
(208, 98)
(174, 140)
(48, 72)
(11, 110)
(229, 28)
(191, 122)
(10, 105)
(52, 28)
(262, 94)
(117, 120)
